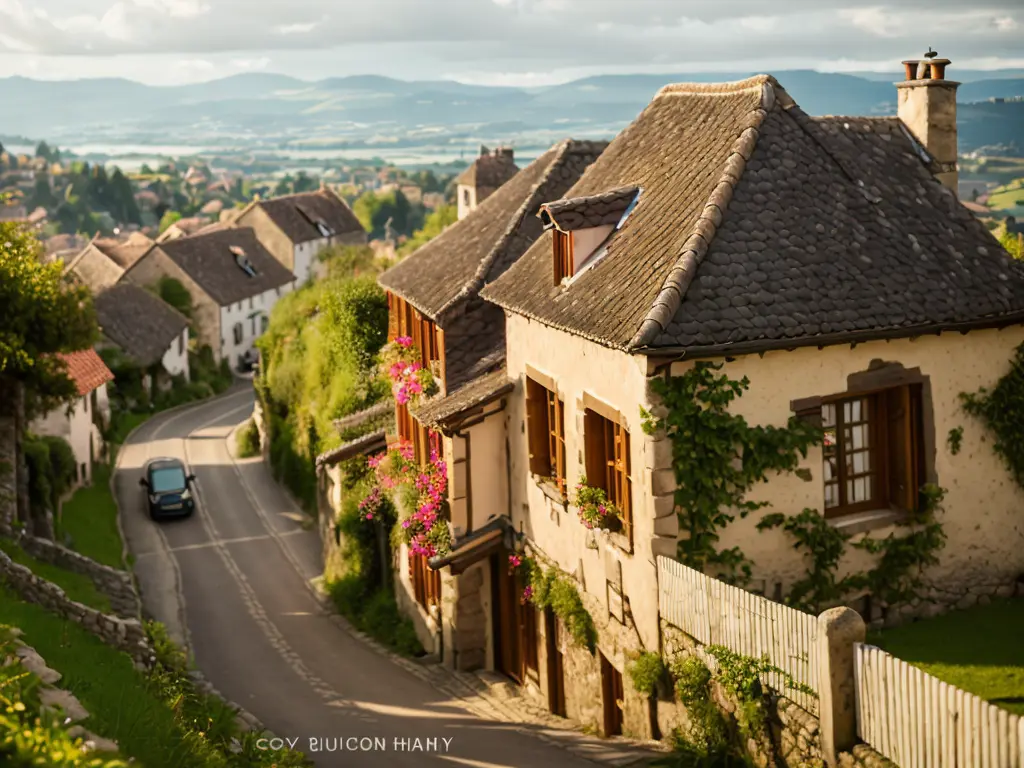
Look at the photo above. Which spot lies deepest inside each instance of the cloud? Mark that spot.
(502, 40)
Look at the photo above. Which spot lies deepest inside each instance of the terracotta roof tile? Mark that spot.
(759, 226)
(86, 369)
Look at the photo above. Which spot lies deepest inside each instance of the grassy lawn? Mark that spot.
(121, 704)
(89, 521)
(77, 587)
(1007, 195)
(980, 650)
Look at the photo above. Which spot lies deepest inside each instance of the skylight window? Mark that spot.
(243, 261)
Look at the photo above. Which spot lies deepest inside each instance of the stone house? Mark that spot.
(433, 298)
(487, 173)
(296, 228)
(80, 423)
(103, 262)
(829, 261)
(152, 333)
(233, 280)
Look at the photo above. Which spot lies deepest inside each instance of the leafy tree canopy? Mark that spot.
(432, 227)
(169, 218)
(40, 315)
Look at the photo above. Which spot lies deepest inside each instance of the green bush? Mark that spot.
(555, 591)
(206, 371)
(376, 613)
(248, 438)
(646, 671)
(175, 294)
(52, 469)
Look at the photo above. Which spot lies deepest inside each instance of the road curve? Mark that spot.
(232, 581)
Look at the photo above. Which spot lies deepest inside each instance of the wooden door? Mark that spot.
(506, 616)
(612, 695)
(556, 665)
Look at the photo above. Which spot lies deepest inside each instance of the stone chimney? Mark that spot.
(927, 107)
(505, 153)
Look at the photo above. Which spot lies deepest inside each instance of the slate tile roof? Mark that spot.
(86, 369)
(760, 227)
(138, 322)
(297, 215)
(489, 171)
(482, 390)
(208, 259)
(575, 213)
(480, 247)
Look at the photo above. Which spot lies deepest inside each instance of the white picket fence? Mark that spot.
(714, 613)
(918, 721)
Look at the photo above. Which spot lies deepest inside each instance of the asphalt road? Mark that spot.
(232, 581)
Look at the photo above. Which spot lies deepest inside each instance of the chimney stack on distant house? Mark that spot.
(927, 107)
(487, 173)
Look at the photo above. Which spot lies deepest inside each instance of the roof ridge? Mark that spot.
(713, 89)
(678, 280)
(515, 221)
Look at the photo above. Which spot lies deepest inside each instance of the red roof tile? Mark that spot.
(86, 369)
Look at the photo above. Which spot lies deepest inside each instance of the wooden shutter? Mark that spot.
(594, 449)
(904, 452)
(393, 310)
(557, 430)
(623, 483)
(537, 428)
(441, 356)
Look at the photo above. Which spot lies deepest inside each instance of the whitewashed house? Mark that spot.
(79, 423)
(296, 228)
(233, 280)
(149, 331)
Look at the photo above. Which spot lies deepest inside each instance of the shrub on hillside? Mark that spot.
(52, 469)
(248, 438)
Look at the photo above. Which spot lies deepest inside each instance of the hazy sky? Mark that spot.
(518, 42)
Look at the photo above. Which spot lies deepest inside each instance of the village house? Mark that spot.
(828, 261)
(487, 173)
(433, 300)
(233, 280)
(193, 225)
(149, 331)
(296, 228)
(103, 262)
(81, 423)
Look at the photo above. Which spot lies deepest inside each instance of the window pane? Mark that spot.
(858, 463)
(858, 490)
(831, 469)
(831, 495)
(860, 436)
(828, 415)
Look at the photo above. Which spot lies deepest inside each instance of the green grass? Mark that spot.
(375, 614)
(125, 423)
(122, 705)
(77, 587)
(980, 650)
(1007, 195)
(89, 521)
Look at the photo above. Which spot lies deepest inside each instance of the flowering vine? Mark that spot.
(410, 380)
(426, 529)
(523, 567)
(594, 509)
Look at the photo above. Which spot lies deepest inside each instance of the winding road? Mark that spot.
(233, 583)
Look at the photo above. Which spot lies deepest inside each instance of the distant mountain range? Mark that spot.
(269, 112)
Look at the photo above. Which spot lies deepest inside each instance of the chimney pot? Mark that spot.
(927, 107)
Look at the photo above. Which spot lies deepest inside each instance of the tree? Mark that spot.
(373, 211)
(434, 225)
(123, 208)
(43, 151)
(40, 314)
(284, 186)
(304, 183)
(169, 218)
(42, 195)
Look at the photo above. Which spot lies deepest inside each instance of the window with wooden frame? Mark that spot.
(406, 320)
(606, 450)
(563, 255)
(426, 582)
(545, 423)
(873, 452)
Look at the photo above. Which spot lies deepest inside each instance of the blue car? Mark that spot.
(168, 489)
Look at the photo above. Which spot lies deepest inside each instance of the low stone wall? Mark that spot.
(942, 598)
(127, 635)
(116, 585)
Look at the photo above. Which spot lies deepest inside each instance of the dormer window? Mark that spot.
(243, 261)
(582, 227)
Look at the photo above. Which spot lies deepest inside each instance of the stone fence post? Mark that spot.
(838, 630)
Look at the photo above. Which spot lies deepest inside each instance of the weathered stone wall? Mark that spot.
(127, 635)
(468, 620)
(975, 589)
(116, 585)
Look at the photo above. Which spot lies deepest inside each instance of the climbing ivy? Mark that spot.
(646, 671)
(897, 575)
(822, 546)
(954, 439)
(1002, 411)
(717, 458)
(549, 588)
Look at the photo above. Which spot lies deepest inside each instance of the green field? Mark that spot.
(1007, 196)
(980, 650)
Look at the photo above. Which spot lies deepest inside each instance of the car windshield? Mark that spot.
(167, 479)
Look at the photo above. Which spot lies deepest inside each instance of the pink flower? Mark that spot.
(406, 523)
(404, 341)
(515, 561)
(527, 594)
(395, 370)
(369, 515)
